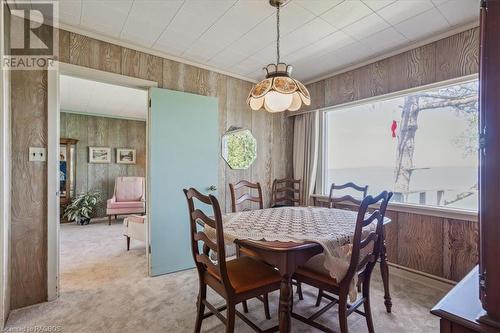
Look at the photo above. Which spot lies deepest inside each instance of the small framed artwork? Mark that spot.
(125, 156)
(99, 155)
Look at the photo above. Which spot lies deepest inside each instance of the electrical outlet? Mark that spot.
(38, 154)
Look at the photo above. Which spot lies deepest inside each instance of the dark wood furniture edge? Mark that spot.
(277, 246)
(466, 295)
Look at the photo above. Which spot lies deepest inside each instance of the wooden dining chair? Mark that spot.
(333, 200)
(243, 184)
(285, 192)
(366, 247)
(235, 207)
(236, 280)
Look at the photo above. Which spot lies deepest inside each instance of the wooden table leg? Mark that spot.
(285, 305)
(384, 269)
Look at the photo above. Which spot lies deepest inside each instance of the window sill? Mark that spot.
(449, 213)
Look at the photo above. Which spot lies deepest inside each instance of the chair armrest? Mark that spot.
(113, 199)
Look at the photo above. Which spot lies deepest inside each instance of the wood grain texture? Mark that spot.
(117, 137)
(105, 132)
(449, 58)
(64, 45)
(79, 50)
(412, 68)
(98, 173)
(262, 167)
(29, 189)
(457, 55)
(339, 89)
(317, 92)
(105, 56)
(222, 187)
(136, 137)
(371, 80)
(238, 115)
(420, 66)
(282, 146)
(187, 78)
(391, 236)
(142, 65)
(420, 243)
(460, 248)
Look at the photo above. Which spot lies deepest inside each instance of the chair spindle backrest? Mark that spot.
(202, 259)
(333, 200)
(366, 244)
(236, 203)
(286, 192)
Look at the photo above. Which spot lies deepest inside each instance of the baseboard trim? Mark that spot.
(422, 277)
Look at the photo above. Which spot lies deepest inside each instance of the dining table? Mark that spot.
(287, 237)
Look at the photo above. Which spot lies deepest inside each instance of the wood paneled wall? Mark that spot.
(439, 246)
(29, 189)
(451, 57)
(105, 132)
(29, 98)
(443, 247)
(445, 59)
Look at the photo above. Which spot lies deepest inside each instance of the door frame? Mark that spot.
(53, 128)
(5, 181)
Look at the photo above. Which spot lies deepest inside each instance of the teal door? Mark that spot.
(184, 152)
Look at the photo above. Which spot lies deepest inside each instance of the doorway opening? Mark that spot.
(97, 166)
(102, 169)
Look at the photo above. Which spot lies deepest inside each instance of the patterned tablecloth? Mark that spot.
(333, 229)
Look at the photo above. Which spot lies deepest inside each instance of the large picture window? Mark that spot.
(422, 146)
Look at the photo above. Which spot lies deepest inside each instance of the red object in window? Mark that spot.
(394, 127)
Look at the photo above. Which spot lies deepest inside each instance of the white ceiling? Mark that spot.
(97, 98)
(238, 36)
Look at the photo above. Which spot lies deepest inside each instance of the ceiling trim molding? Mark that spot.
(103, 115)
(154, 52)
(433, 39)
(148, 50)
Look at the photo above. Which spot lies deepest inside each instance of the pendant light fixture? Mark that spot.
(278, 92)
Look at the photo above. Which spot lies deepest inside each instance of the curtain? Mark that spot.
(305, 152)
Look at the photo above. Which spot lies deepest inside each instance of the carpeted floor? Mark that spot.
(104, 288)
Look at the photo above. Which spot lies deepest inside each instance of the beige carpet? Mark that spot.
(104, 288)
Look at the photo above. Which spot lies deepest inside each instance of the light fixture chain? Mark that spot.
(278, 33)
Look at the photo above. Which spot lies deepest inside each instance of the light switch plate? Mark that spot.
(38, 154)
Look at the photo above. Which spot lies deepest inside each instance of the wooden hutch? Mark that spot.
(473, 305)
(67, 173)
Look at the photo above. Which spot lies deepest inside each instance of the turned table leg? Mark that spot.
(285, 304)
(384, 269)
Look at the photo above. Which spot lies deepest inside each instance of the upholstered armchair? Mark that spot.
(128, 197)
(135, 227)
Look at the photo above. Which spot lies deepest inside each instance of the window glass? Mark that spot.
(422, 146)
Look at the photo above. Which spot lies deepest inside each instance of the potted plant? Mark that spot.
(82, 206)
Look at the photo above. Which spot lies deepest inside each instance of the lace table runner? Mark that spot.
(333, 229)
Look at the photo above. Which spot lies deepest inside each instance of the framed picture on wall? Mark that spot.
(125, 156)
(99, 155)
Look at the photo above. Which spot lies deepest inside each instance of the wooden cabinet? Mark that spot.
(474, 304)
(67, 172)
(461, 308)
(489, 174)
